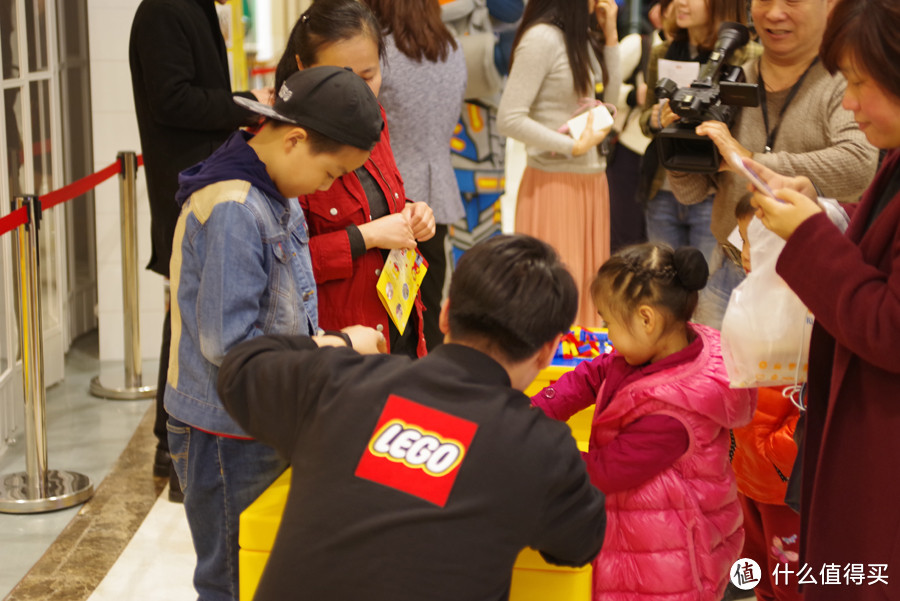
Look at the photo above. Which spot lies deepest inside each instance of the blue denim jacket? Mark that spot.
(240, 268)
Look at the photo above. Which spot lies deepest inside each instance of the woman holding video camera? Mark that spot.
(563, 50)
(799, 128)
(851, 454)
(691, 28)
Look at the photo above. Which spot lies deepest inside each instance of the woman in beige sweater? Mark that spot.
(562, 50)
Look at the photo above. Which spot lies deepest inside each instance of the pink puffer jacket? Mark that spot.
(675, 536)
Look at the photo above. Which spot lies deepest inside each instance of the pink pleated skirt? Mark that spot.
(570, 211)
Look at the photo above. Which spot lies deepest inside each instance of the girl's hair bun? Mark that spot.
(691, 268)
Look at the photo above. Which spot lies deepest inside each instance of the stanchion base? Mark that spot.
(64, 490)
(114, 388)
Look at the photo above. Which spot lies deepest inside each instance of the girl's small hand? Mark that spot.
(390, 231)
(719, 133)
(784, 215)
(801, 183)
(421, 219)
(589, 138)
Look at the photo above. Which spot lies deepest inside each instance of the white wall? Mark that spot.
(115, 130)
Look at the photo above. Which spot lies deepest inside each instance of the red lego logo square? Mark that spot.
(416, 449)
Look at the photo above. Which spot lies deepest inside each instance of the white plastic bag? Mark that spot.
(766, 328)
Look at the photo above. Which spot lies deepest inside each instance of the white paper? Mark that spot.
(602, 120)
(735, 238)
(682, 73)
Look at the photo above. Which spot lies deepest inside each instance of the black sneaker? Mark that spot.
(161, 463)
(175, 494)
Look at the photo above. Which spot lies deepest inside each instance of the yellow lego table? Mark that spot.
(533, 579)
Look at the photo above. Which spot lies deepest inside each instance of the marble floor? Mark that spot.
(66, 555)
(143, 572)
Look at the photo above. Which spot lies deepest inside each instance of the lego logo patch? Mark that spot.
(416, 449)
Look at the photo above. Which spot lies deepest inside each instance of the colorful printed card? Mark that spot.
(399, 283)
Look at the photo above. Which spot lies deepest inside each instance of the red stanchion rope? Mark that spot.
(261, 71)
(76, 189)
(13, 220)
(66, 193)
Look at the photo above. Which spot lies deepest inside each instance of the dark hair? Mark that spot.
(319, 143)
(719, 12)
(867, 31)
(513, 293)
(580, 31)
(652, 273)
(326, 22)
(416, 26)
(744, 208)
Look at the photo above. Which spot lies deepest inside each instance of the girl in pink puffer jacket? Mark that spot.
(660, 434)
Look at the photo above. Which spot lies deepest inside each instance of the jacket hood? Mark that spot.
(234, 159)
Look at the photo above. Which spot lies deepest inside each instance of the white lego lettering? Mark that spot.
(443, 458)
(422, 449)
(382, 443)
(402, 443)
(416, 448)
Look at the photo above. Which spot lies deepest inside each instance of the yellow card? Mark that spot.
(399, 284)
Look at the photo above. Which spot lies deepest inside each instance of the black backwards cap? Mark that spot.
(333, 101)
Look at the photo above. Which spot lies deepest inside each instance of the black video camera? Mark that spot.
(715, 93)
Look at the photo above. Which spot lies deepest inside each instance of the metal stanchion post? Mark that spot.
(37, 489)
(130, 387)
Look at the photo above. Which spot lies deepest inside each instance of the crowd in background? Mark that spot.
(696, 474)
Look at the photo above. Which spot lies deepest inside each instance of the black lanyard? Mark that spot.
(770, 135)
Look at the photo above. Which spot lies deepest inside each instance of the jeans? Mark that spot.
(220, 478)
(724, 277)
(677, 224)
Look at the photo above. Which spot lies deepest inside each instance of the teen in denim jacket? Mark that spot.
(241, 268)
(243, 237)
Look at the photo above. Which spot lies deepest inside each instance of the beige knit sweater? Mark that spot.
(817, 138)
(539, 97)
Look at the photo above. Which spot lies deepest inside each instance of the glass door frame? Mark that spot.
(55, 335)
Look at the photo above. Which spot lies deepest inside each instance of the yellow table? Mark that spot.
(533, 579)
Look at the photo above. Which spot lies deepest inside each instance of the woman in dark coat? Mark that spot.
(850, 514)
